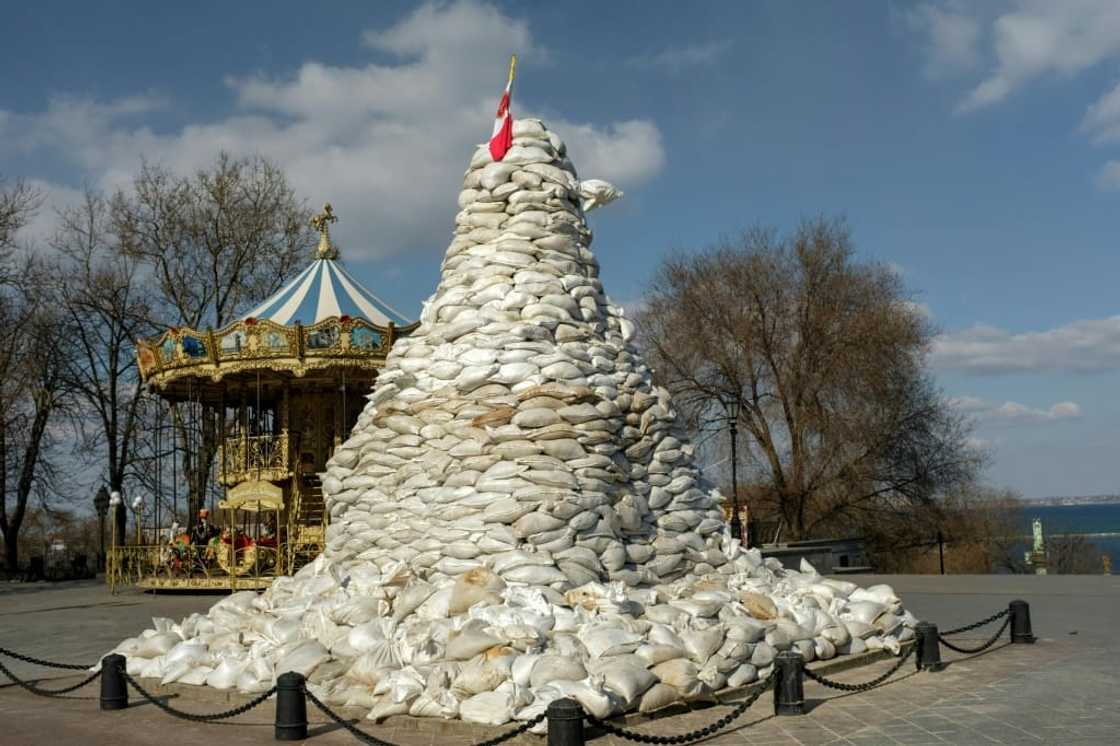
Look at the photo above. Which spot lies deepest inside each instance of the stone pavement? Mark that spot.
(1060, 690)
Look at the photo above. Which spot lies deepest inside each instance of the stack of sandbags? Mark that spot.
(516, 516)
(519, 418)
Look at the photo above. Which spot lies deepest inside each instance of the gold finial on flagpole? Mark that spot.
(512, 66)
(321, 223)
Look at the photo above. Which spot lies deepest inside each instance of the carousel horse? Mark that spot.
(236, 551)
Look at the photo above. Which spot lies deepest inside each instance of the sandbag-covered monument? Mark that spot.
(516, 515)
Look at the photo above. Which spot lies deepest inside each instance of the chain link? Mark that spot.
(976, 625)
(513, 733)
(372, 740)
(35, 689)
(192, 716)
(860, 687)
(695, 735)
(41, 662)
(985, 646)
(361, 735)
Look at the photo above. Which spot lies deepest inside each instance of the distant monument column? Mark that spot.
(1036, 557)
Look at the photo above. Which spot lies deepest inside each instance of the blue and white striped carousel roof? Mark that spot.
(323, 290)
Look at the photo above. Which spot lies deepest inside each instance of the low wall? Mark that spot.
(828, 556)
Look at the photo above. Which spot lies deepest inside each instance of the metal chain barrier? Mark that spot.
(35, 689)
(372, 740)
(192, 716)
(860, 687)
(361, 735)
(695, 735)
(985, 646)
(41, 662)
(975, 625)
(513, 733)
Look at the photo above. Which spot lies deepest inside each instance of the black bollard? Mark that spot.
(291, 707)
(565, 723)
(789, 691)
(1020, 612)
(114, 690)
(929, 647)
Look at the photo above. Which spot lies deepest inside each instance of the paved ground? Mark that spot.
(1060, 690)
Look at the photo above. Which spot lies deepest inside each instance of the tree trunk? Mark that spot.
(11, 548)
(121, 518)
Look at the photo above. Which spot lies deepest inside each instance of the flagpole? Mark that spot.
(512, 68)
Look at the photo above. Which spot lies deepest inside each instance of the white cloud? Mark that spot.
(1088, 346)
(1108, 178)
(680, 58)
(624, 152)
(921, 309)
(1043, 37)
(1011, 413)
(978, 444)
(386, 144)
(1102, 119)
(952, 43)
(42, 227)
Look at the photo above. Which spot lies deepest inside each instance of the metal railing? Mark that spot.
(189, 566)
(247, 457)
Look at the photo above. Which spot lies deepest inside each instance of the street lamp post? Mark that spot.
(733, 420)
(101, 505)
(138, 513)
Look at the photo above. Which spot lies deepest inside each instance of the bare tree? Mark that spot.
(825, 357)
(214, 244)
(106, 309)
(18, 204)
(33, 397)
(1073, 554)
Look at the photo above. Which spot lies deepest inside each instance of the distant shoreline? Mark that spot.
(1061, 502)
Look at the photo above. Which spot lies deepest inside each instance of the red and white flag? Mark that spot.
(502, 139)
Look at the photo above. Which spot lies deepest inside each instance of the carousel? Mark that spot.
(286, 383)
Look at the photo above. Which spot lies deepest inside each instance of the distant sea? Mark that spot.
(1100, 524)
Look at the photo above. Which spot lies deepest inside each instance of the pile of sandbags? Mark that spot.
(515, 648)
(516, 516)
(518, 427)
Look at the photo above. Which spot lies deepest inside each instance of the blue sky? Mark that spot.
(974, 146)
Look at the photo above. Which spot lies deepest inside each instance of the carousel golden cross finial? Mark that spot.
(321, 223)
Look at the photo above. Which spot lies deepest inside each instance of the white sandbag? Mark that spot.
(158, 644)
(465, 644)
(701, 644)
(591, 697)
(681, 674)
(659, 697)
(550, 668)
(742, 675)
(654, 654)
(763, 655)
(625, 679)
(487, 708)
(226, 674)
(603, 641)
(303, 658)
(480, 585)
(196, 676)
(410, 597)
(479, 675)
(864, 611)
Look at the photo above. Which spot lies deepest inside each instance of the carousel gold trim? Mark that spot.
(260, 344)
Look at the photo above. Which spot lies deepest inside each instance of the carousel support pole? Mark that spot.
(232, 551)
(155, 525)
(222, 444)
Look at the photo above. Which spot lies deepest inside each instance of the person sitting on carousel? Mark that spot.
(201, 537)
(203, 530)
